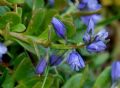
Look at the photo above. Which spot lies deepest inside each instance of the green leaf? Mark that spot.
(26, 46)
(101, 58)
(29, 3)
(71, 30)
(103, 79)
(73, 81)
(3, 10)
(48, 17)
(16, 1)
(46, 25)
(11, 18)
(19, 11)
(9, 82)
(84, 77)
(18, 59)
(36, 82)
(78, 80)
(36, 21)
(38, 4)
(44, 34)
(18, 28)
(109, 20)
(29, 83)
(48, 83)
(24, 70)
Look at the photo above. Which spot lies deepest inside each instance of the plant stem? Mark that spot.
(39, 41)
(47, 71)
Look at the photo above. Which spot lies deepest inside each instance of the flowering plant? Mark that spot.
(59, 44)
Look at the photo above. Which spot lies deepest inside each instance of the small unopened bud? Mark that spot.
(3, 50)
(55, 60)
(86, 38)
(93, 5)
(115, 71)
(91, 26)
(59, 27)
(51, 2)
(41, 66)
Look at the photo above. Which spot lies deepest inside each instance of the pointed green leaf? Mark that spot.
(24, 70)
(16, 1)
(18, 28)
(9, 82)
(38, 4)
(35, 22)
(73, 81)
(103, 79)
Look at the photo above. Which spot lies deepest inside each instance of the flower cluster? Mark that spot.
(95, 43)
(74, 59)
(3, 50)
(90, 5)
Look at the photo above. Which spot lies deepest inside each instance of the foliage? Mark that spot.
(26, 30)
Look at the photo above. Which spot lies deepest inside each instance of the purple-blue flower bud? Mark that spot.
(3, 49)
(86, 38)
(93, 5)
(102, 35)
(59, 27)
(51, 2)
(90, 5)
(75, 61)
(91, 26)
(115, 71)
(82, 4)
(41, 66)
(55, 60)
(96, 18)
(96, 47)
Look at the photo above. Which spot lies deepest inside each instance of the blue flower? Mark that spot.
(96, 47)
(90, 5)
(115, 71)
(96, 18)
(3, 50)
(75, 61)
(93, 5)
(41, 66)
(86, 38)
(90, 28)
(59, 27)
(82, 5)
(102, 35)
(55, 60)
(51, 2)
